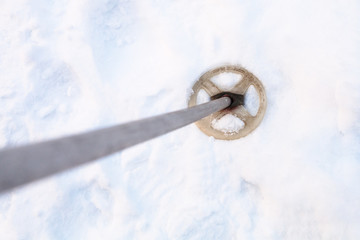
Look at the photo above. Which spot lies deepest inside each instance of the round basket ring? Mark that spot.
(240, 112)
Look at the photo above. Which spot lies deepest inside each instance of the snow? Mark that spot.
(252, 101)
(226, 81)
(228, 124)
(202, 97)
(71, 66)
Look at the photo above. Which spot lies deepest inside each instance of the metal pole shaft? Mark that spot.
(24, 164)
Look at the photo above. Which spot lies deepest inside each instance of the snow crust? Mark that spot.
(71, 66)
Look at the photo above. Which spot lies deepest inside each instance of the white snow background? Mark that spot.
(71, 66)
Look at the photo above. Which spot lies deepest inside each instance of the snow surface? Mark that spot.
(202, 97)
(70, 66)
(252, 100)
(228, 124)
(226, 81)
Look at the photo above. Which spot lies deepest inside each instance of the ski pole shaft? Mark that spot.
(25, 164)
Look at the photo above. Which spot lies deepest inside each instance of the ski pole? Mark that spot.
(25, 164)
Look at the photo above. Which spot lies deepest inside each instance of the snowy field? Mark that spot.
(71, 66)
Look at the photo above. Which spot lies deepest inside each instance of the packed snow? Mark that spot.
(71, 66)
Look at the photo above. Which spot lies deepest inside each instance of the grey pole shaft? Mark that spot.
(25, 164)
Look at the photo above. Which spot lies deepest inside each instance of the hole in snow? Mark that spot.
(228, 124)
(202, 97)
(226, 81)
(252, 100)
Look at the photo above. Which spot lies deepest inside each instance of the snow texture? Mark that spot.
(202, 97)
(226, 81)
(228, 124)
(252, 100)
(71, 66)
